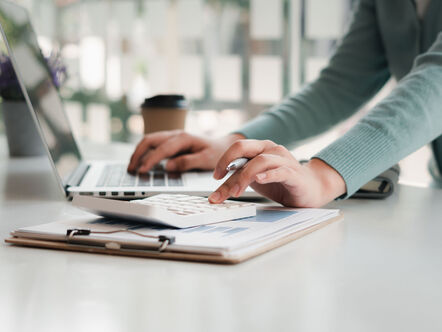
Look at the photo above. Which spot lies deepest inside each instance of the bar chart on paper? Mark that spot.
(262, 216)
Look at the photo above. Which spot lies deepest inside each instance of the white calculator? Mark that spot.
(173, 210)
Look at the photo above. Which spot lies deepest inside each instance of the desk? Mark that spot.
(378, 270)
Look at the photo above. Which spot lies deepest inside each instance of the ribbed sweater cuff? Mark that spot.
(359, 156)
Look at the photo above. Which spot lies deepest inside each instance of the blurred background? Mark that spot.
(231, 58)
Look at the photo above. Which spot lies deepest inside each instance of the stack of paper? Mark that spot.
(228, 242)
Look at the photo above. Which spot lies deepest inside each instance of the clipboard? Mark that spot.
(161, 251)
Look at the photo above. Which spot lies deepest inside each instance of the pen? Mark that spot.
(237, 164)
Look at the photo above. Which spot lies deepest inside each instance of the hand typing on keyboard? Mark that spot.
(115, 175)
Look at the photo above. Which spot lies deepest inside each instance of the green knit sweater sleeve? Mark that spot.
(410, 117)
(356, 71)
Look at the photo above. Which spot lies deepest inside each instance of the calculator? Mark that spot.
(172, 210)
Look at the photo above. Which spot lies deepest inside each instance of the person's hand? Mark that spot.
(273, 172)
(184, 150)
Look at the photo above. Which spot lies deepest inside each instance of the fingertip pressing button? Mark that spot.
(214, 197)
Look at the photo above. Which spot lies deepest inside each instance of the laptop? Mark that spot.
(74, 174)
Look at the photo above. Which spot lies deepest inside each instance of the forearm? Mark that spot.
(407, 119)
(312, 111)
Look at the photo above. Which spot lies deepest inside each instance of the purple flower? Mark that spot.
(58, 69)
(9, 86)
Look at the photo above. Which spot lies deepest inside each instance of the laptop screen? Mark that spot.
(36, 79)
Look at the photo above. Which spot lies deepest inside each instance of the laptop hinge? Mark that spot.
(77, 175)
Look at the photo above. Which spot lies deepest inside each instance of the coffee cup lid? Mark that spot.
(166, 101)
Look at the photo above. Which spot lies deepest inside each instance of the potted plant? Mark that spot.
(21, 131)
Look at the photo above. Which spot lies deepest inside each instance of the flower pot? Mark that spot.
(21, 131)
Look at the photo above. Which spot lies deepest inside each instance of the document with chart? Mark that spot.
(228, 242)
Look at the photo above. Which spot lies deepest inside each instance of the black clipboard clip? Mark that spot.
(164, 240)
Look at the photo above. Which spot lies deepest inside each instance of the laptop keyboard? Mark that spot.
(116, 175)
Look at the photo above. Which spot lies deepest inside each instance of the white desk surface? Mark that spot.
(378, 270)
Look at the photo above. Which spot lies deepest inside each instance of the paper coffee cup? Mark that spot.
(164, 112)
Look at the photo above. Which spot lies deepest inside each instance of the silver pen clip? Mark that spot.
(237, 164)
